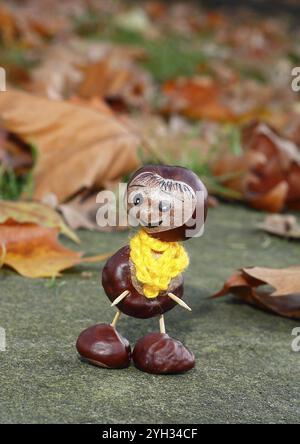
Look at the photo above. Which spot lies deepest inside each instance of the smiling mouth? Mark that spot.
(153, 225)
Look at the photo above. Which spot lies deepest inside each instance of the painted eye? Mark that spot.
(138, 199)
(164, 206)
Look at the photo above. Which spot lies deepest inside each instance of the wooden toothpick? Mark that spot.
(119, 298)
(179, 301)
(116, 318)
(162, 326)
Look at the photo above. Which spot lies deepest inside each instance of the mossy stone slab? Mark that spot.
(246, 370)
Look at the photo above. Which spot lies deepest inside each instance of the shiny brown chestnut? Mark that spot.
(103, 346)
(174, 180)
(116, 277)
(159, 353)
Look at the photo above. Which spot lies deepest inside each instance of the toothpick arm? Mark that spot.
(120, 298)
(179, 301)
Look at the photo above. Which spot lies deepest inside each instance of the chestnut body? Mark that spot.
(116, 277)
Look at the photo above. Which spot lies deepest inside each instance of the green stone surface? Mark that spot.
(246, 370)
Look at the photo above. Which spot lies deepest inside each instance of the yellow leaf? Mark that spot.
(36, 213)
(34, 251)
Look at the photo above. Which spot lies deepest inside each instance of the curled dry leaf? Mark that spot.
(283, 300)
(78, 147)
(34, 213)
(34, 251)
(281, 225)
(268, 168)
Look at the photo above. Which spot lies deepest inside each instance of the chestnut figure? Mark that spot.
(144, 279)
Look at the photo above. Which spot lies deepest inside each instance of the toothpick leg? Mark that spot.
(162, 326)
(116, 318)
(179, 301)
(120, 298)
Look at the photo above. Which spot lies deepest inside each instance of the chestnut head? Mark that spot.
(169, 202)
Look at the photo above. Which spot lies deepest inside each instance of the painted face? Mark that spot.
(159, 204)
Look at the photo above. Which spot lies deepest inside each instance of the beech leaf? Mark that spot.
(286, 281)
(77, 146)
(283, 299)
(36, 213)
(34, 251)
(281, 225)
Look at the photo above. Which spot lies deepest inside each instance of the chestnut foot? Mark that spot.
(159, 353)
(102, 345)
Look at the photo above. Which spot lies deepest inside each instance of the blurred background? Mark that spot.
(96, 88)
(91, 90)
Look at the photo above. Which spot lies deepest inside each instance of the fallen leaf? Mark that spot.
(8, 27)
(284, 299)
(77, 147)
(58, 75)
(34, 251)
(197, 98)
(272, 200)
(80, 213)
(286, 281)
(281, 225)
(34, 213)
(116, 78)
(28, 24)
(64, 68)
(94, 103)
(268, 170)
(203, 97)
(15, 154)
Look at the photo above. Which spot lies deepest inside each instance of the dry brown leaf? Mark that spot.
(94, 103)
(282, 225)
(15, 155)
(34, 213)
(34, 251)
(28, 23)
(203, 97)
(116, 78)
(58, 75)
(197, 98)
(286, 281)
(63, 68)
(283, 300)
(268, 169)
(80, 212)
(8, 27)
(272, 201)
(77, 147)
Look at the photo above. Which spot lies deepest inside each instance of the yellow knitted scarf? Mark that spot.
(156, 262)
